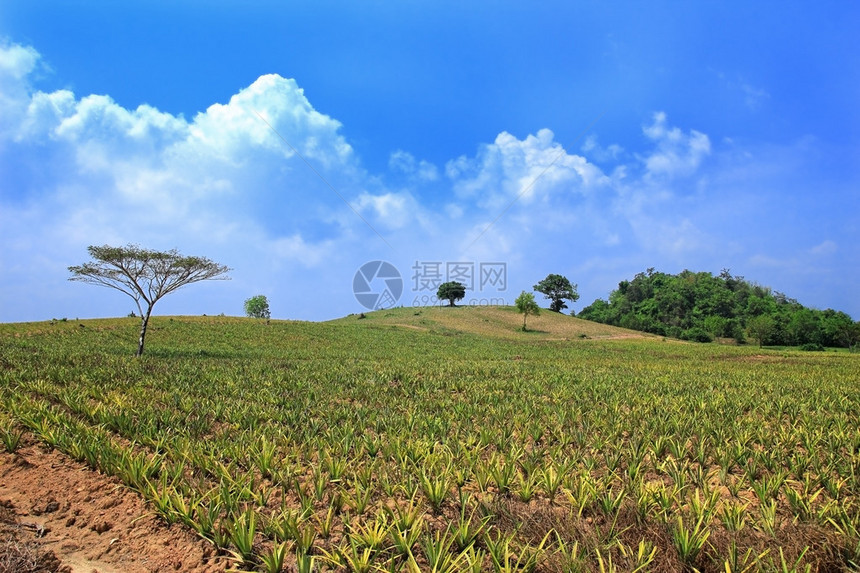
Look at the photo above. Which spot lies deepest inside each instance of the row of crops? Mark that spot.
(359, 447)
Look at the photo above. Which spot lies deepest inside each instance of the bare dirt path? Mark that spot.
(89, 521)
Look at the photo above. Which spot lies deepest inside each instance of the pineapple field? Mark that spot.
(449, 439)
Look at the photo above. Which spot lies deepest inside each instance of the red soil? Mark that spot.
(89, 521)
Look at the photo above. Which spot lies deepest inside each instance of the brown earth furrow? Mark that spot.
(90, 521)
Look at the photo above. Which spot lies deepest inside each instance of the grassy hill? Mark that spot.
(238, 336)
(494, 321)
(412, 435)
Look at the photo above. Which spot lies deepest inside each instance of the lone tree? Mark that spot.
(257, 307)
(558, 289)
(451, 291)
(144, 275)
(526, 304)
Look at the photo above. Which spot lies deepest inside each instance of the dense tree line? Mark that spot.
(701, 306)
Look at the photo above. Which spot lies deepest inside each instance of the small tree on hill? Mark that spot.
(144, 275)
(257, 307)
(451, 291)
(526, 305)
(558, 289)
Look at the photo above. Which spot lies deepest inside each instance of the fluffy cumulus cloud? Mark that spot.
(273, 114)
(16, 61)
(522, 169)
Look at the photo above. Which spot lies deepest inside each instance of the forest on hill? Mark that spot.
(700, 306)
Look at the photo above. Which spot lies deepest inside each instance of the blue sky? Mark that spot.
(296, 141)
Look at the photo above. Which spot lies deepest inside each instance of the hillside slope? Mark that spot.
(495, 322)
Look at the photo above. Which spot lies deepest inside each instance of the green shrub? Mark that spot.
(697, 334)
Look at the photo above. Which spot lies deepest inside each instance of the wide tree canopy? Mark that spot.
(451, 291)
(145, 275)
(558, 289)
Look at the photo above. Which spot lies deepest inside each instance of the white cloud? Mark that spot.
(391, 210)
(148, 154)
(594, 150)
(454, 211)
(427, 171)
(98, 118)
(754, 97)
(522, 170)
(16, 63)
(823, 249)
(401, 161)
(405, 163)
(229, 131)
(44, 113)
(296, 248)
(677, 154)
(674, 238)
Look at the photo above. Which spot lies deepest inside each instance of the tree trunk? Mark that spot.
(144, 321)
(524, 321)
